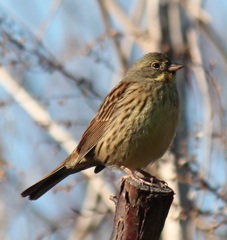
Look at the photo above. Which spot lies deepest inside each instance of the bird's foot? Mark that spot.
(144, 177)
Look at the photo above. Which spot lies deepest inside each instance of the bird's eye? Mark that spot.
(155, 65)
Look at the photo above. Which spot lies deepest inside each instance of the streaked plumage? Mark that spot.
(133, 127)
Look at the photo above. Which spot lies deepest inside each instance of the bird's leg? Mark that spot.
(144, 177)
(130, 172)
(151, 179)
(143, 180)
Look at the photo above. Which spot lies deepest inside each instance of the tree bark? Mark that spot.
(141, 210)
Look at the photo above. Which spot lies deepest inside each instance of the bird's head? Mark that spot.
(155, 66)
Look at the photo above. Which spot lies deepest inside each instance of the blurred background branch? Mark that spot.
(58, 61)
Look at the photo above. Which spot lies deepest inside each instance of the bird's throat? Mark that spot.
(165, 77)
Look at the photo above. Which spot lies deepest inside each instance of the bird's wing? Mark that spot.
(98, 125)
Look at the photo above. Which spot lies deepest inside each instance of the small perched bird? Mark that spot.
(133, 127)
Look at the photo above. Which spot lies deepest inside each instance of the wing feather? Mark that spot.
(98, 125)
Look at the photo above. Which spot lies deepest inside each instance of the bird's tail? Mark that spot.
(38, 189)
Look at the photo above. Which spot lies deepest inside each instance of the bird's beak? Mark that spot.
(175, 67)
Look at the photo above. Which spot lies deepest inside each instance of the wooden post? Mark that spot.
(141, 210)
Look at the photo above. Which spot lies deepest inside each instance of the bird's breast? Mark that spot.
(141, 132)
(154, 129)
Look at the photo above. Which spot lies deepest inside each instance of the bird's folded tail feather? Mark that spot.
(38, 189)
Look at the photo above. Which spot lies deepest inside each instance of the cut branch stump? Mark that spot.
(141, 210)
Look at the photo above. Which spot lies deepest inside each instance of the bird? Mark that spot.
(133, 127)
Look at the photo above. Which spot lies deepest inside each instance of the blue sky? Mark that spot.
(31, 152)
